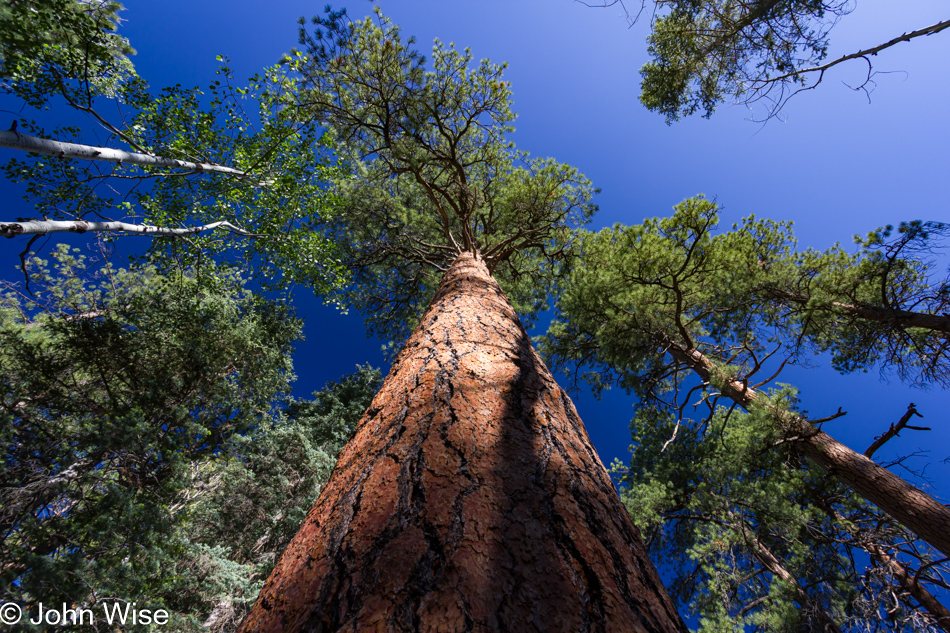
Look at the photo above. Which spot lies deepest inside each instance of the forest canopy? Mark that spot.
(154, 451)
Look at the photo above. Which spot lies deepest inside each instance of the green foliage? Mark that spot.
(280, 193)
(275, 144)
(114, 383)
(50, 47)
(282, 200)
(705, 51)
(149, 451)
(436, 174)
(756, 539)
(883, 305)
(641, 287)
(246, 504)
(743, 295)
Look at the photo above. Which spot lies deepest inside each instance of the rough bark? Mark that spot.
(470, 499)
(911, 507)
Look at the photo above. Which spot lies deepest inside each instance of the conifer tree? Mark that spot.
(707, 51)
(684, 318)
(116, 384)
(470, 497)
(150, 452)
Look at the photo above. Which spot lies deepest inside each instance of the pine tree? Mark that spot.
(687, 318)
(706, 51)
(470, 497)
(117, 386)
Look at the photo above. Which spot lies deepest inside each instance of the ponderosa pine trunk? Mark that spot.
(904, 577)
(911, 507)
(470, 499)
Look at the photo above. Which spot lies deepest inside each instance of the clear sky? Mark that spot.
(836, 165)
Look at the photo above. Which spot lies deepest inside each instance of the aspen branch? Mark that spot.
(44, 227)
(14, 140)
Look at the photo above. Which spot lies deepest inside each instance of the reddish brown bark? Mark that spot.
(470, 499)
(890, 316)
(905, 579)
(911, 507)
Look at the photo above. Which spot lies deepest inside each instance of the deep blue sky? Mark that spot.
(837, 165)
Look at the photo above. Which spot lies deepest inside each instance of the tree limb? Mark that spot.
(894, 430)
(43, 227)
(14, 140)
(906, 37)
(890, 316)
(908, 505)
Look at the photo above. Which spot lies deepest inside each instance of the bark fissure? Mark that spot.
(470, 499)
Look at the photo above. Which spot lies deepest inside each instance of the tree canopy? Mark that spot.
(435, 173)
(707, 51)
(760, 540)
(50, 47)
(697, 323)
(150, 451)
(746, 294)
(184, 161)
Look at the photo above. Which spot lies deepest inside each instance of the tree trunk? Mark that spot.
(470, 499)
(813, 614)
(911, 507)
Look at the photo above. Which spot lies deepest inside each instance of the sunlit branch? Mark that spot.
(14, 140)
(44, 227)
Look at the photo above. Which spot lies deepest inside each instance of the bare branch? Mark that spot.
(906, 37)
(44, 227)
(14, 140)
(894, 430)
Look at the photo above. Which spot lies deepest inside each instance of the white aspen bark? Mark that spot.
(43, 227)
(15, 140)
